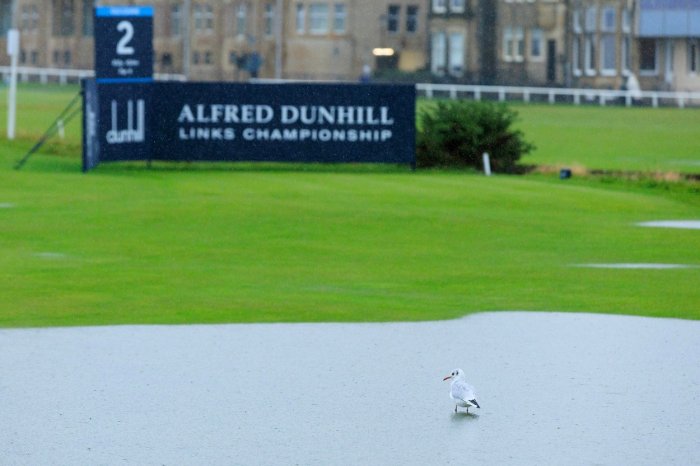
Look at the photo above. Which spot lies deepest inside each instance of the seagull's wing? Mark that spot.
(461, 390)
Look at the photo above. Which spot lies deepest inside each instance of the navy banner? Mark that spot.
(255, 122)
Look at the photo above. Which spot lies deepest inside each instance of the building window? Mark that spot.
(30, 18)
(457, 6)
(439, 6)
(576, 20)
(241, 19)
(67, 57)
(63, 17)
(626, 20)
(175, 20)
(87, 17)
(5, 16)
(195, 58)
(508, 44)
(591, 14)
(608, 19)
(536, 40)
(589, 58)
(693, 56)
(204, 18)
(456, 56)
(207, 58)
(608, 60)
(625, 52)
(392, 18)
(269, 17)
(437, 53)
(300, 19)
(668, 69)
(318, 18)
(647, 57)
(35, 57)
(339, 18)
(513, 44)
(576, 55)
(412, 19)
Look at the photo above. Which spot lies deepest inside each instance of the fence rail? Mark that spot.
(65, 76)
(549, 95)
(560, 95)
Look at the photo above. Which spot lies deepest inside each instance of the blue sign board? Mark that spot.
(124, 43)
(252, 122)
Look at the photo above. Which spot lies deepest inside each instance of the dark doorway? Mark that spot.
(551, 60)
(387, 63)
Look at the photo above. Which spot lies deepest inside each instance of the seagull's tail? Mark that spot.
(475, 403)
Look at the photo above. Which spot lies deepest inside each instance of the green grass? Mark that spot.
(613, 138)
(271, 243)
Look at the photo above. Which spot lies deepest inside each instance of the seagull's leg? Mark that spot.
(467, 409)
(455, 408)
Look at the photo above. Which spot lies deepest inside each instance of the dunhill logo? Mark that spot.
(135, 130)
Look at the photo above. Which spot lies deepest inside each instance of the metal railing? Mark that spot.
(64, 76)
(559, 95)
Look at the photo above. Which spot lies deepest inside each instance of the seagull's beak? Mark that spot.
(447, 378)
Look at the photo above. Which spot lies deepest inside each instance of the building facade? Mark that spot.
(235, 39)
(572, 43)
(532, 42)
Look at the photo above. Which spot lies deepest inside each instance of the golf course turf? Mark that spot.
(204, 243)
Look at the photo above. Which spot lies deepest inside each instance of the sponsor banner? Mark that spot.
(256, 122)
(285, 122)
(123, 43)
(91, 140)
(123, 121)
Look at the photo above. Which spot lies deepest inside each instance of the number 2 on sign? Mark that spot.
(122, 46)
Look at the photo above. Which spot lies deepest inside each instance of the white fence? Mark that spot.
(549, 95)
(559, 95)
(65, 76)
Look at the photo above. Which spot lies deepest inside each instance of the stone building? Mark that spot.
(654, 41)
(572, 43)
(235, 39)
(531, 42)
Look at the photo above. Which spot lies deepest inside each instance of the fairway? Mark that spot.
(613, 138)
(258, 243)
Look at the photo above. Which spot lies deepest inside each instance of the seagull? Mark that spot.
(460, 391)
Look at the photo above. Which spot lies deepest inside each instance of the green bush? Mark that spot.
(457, 133)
